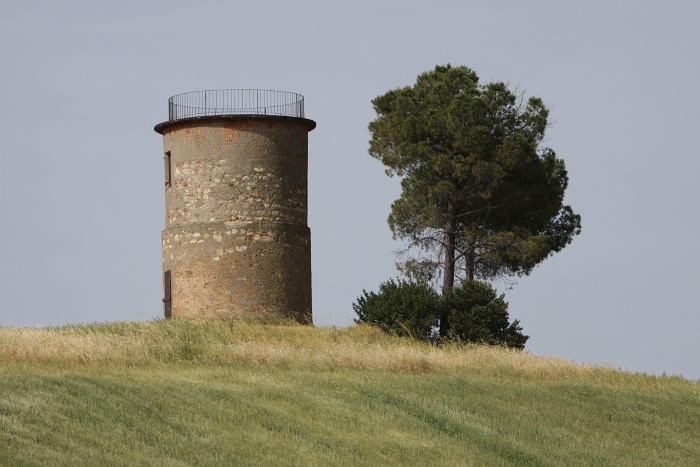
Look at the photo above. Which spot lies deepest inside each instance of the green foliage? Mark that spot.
(476, 314)
(401, 308)
(481, 197)
(471, 312)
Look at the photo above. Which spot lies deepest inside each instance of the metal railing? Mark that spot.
(235, 102)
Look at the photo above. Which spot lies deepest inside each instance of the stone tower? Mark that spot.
(236, 239)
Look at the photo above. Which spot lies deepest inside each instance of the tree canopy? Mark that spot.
(481, 196)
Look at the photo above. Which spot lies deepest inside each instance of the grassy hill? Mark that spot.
(243, 393)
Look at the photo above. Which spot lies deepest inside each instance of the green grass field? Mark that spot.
(241, 393)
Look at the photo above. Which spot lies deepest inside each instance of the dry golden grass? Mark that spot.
(285, 345)
(225, 392)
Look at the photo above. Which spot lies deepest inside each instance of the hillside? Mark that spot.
(243, 393)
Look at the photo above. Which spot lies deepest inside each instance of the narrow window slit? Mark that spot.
(168, 170)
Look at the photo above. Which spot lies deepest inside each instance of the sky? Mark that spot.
(82, 83)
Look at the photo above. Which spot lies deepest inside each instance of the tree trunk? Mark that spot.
(471, 259)
(448, 279)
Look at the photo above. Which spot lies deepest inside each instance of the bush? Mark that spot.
(403, 308)
(474, 313)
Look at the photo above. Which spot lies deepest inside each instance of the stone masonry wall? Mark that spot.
(236, 237)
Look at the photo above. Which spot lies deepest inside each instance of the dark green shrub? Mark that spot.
(474, 313)
(401, 308)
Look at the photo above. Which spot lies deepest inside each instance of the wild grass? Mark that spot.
(280, 344)
(216, 392)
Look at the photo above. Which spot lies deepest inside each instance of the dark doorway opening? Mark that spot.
(167, 297)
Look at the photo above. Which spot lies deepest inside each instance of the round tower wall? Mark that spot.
(237, 170)
(236, 238)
